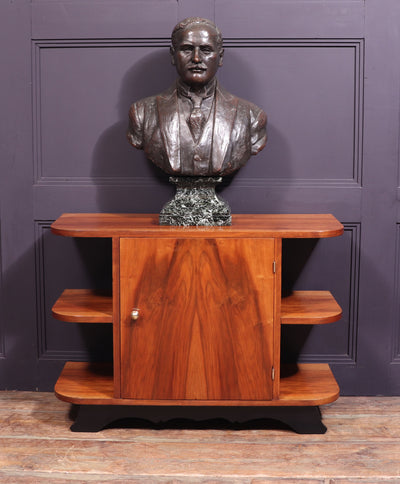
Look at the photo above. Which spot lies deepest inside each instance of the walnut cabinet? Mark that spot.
(196, 314)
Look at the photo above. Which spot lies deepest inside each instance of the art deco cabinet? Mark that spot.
(197, 315)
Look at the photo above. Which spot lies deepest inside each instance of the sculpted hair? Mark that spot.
(184, 24)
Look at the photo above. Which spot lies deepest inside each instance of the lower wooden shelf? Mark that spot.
(85, 383)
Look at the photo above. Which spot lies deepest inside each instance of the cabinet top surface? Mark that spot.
(243, 225)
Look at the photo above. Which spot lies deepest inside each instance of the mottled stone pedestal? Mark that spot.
(196, 203)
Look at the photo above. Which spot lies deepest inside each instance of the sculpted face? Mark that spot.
(197, 55)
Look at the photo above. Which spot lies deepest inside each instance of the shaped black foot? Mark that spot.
(302, 420)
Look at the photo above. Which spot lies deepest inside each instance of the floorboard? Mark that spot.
(361, 446)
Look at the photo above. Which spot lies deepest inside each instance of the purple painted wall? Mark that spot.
(325, 71)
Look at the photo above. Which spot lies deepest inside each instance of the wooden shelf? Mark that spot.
(83, 306)
(243, 225)
(310, 307)
(301, 307)
(92, 384)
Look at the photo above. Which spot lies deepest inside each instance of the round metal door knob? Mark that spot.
(135, 314)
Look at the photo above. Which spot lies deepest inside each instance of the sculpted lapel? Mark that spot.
(225, 114)
(168, 119)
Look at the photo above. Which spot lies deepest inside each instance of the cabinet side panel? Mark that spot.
(116, 317)
(277, 316)
(205, 326)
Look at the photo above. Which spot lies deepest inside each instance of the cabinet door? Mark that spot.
(206, 318)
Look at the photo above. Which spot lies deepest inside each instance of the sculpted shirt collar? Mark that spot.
(185, 90)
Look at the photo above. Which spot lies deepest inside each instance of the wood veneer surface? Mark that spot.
(88, 383)
(83, 306)
(243, 225)
(206, 323)
(301, 307)
(310, 307)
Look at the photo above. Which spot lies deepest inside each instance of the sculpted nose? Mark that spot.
(196, 55)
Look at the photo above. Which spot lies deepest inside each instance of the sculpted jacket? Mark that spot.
(235, 130)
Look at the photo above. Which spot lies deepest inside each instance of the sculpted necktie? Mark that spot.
(196, 118)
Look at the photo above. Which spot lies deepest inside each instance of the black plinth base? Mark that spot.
(302, 420)
(196, 203)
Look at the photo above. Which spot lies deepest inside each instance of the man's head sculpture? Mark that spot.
(195, 128)
(196, 51)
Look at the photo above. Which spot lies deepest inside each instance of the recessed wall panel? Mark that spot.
(396, 319)
(63, 262)
(311, 92)
(2, 319)
(325, 265)
(82, 95)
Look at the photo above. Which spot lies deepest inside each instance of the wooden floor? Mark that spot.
(362, 445)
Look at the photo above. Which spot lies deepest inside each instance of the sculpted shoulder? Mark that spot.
(254, 110)
(148, 104)
(251, 115)
(142, 114)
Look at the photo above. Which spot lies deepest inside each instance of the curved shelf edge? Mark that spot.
(301, 307)
(310, 307)
(243, 225)
(83, 306)
(84, 383)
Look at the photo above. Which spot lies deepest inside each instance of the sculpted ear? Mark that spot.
(172, 54)
(221, 57)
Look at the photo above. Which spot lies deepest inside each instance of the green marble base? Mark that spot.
(196, 203)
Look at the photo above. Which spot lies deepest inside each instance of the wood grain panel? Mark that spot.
(90, 306)
(83, 306)
(205, 329)
(116, 318)
(310, 307)
(243, 225)
(92, 384)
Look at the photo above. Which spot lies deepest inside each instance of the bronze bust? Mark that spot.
(196, 128)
